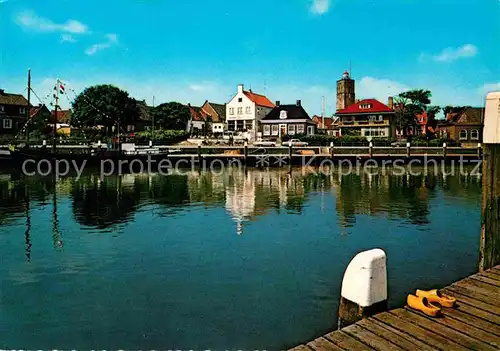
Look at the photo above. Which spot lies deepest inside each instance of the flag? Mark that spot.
(62, 89)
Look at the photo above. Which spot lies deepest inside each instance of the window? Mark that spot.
(275, 129)
(283, 115)
(7, 123)
(365, 106)
(240, 125)
(310, 130)
(231, 125)
(240, 110)
(240, 99)
(231, 111)
(463, 134)
(22, 110)
(130, 128)
(375, 132)
(474, 134)
(291, 129)
(300, 129)
(248, 110)
(2, 108)
(267, 129)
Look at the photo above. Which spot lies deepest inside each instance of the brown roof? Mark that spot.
(12, 99)
(197, 114)
(259, 100)
(471, 115)
(35, 110)
(220, 109)
(63, 116)
(330, 123)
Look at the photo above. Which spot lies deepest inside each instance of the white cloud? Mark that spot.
(320, 7)
(68, 38)
(30, 20)
(452, 54)
(112, 39)
(487, 88)
(380, 89)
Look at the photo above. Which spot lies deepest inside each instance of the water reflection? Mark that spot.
(246, 195)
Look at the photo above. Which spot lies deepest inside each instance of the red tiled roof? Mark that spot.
(375, 107)
(259, 100)
(63, 116)
(197, 114)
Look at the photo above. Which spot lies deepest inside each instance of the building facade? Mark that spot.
(327, 125)
(368, 118)
(245, 111)
(13, 112)
(217, 113)
(465, 126)
(287, 120)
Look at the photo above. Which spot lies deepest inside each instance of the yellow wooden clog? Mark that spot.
(435, 296)
(423, 305)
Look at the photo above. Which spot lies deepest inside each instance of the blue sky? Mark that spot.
(192, 50)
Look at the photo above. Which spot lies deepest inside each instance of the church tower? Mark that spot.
(345, 92)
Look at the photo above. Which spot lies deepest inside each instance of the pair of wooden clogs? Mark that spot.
(425, 301)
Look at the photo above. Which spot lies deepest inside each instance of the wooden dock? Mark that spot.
(473, 325)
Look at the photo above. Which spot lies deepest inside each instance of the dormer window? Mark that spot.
(365, 106)
(2, 108)
(283, 115)
(240, 99)
(22, 110)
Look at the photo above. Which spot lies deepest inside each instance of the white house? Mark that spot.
(245, 110)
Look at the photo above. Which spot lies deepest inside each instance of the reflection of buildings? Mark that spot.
(240, 199)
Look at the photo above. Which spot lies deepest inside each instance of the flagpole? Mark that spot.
(28, 112)
(55, 117)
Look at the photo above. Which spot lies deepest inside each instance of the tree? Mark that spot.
(172, 115)
(104, 105)
(410, 104)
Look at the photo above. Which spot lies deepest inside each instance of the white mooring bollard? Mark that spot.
(364, 287)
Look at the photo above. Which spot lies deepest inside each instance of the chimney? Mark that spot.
(390, 102)
(278, 103)
(240, 88)
(299, 103)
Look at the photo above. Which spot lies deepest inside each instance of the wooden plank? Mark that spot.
(322, 344)
(473, 321)
(424, 335)
(490, 317)
(395, 336)
(490, 275)
(300, 348)
(371, 339)
(473, 294)
(473, 302)
(480, 287)
(485, 280)
(466, 341)
(495, 270)
(480, 335)
(346, 341)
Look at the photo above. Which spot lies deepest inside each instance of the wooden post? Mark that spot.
(490, 206)
(245, 153)
(290, 151)
(479, 151)
(445, 153)
(408, 150)
(331, 150)
(371, 149)
(199, 155)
